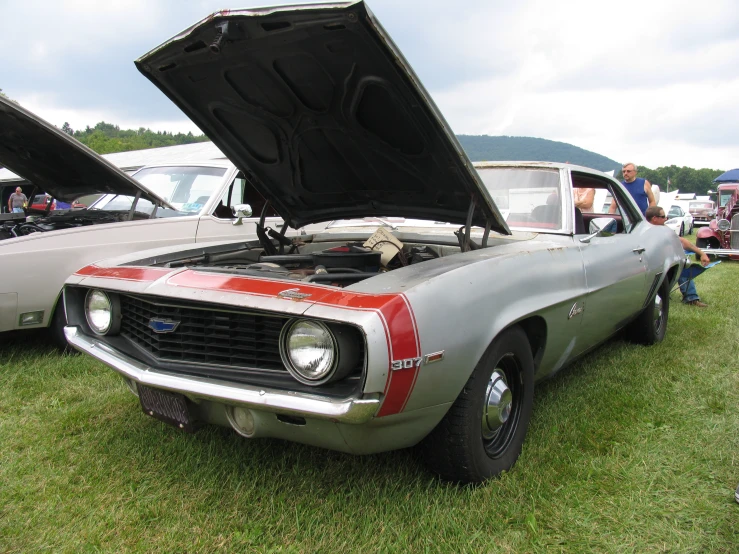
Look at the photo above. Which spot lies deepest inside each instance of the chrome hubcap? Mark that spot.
(657, 312)
(498, 405)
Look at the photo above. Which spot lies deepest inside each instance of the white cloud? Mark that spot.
(46, 108)
(653, 82)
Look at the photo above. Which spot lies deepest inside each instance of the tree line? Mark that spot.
(684, 179)
(106, 138)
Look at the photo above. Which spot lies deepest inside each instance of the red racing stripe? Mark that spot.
(393, 309)
(404, 341)
(126, 273)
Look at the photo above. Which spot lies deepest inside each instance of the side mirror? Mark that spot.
(242, 211)
(601, 227)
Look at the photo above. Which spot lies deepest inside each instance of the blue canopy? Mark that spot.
(731, 175)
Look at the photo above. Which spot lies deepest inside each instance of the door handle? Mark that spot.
(639, 250)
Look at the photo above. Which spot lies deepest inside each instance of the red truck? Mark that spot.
(723, 232)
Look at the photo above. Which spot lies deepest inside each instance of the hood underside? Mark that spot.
(57, 163)
(324, 115)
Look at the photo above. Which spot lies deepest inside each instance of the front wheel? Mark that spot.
(682, 230)
(483, 432)
(651, 325)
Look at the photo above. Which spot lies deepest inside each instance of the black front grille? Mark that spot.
(205, 335)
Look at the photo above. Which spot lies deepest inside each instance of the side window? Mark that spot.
(625, 210)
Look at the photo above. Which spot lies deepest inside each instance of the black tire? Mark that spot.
(703, 243)
(464, 447)
(682, 230)
(651, 325)
(56, 329)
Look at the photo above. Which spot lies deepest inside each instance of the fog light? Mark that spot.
(242, 421)
(31, 318)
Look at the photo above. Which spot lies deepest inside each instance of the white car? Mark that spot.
(679, 220)
(161, 205)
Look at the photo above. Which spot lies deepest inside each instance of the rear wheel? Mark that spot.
(483, 432)
(651, 325)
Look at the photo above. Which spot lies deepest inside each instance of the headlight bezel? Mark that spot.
(345, 351)
(723, 225)
(114, 309)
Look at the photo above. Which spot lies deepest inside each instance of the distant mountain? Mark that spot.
(486, 148)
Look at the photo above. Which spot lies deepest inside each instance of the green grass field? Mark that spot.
(632, 449)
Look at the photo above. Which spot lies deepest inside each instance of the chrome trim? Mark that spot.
(721, 251)
(352, 411)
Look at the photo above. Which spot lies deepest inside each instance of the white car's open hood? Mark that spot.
(56, 162)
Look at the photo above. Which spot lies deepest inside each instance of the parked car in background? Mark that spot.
(703, 211)
(722, 234)
(423, 316)
(679, 220)
(44, 202)
(160, 205)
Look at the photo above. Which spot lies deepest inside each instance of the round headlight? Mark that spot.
(723, 225)
(309, 351)
(101, 313)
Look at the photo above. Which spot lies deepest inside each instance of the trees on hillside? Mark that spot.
(684, 179)
(105, 138)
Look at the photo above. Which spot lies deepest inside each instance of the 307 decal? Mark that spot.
(410, 363)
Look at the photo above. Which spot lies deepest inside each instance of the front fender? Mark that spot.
(708, 232)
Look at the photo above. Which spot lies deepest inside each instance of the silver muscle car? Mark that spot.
(424, 316)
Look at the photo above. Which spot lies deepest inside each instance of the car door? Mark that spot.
(222, 222)
(615, 271)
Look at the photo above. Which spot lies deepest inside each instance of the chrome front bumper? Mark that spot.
(353, 411)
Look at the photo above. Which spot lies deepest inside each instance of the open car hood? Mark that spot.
(56, 162)
(318, 107)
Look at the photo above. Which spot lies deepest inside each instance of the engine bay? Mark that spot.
(330, 263)
(68, 219)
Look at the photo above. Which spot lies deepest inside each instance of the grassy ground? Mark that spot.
(633, 449)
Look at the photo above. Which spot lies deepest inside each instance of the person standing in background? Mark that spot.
(17, 201)
(639, 189)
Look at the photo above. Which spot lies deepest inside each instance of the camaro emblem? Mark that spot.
(293, 294)
(575, 310)
(163, 325)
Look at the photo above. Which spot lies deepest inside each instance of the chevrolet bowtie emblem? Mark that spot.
(163, 325)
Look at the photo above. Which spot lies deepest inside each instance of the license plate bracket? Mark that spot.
(169, 407)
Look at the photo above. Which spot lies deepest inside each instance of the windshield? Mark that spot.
(186, 189)
(527, 198)
(723, 196)
(675, 211)
(701, 205)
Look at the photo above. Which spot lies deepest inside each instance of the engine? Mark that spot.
(13, 228)
(338, 265)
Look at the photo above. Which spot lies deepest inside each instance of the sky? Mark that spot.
(653, 82)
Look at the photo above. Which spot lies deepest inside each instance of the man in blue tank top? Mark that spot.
(639, 189)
